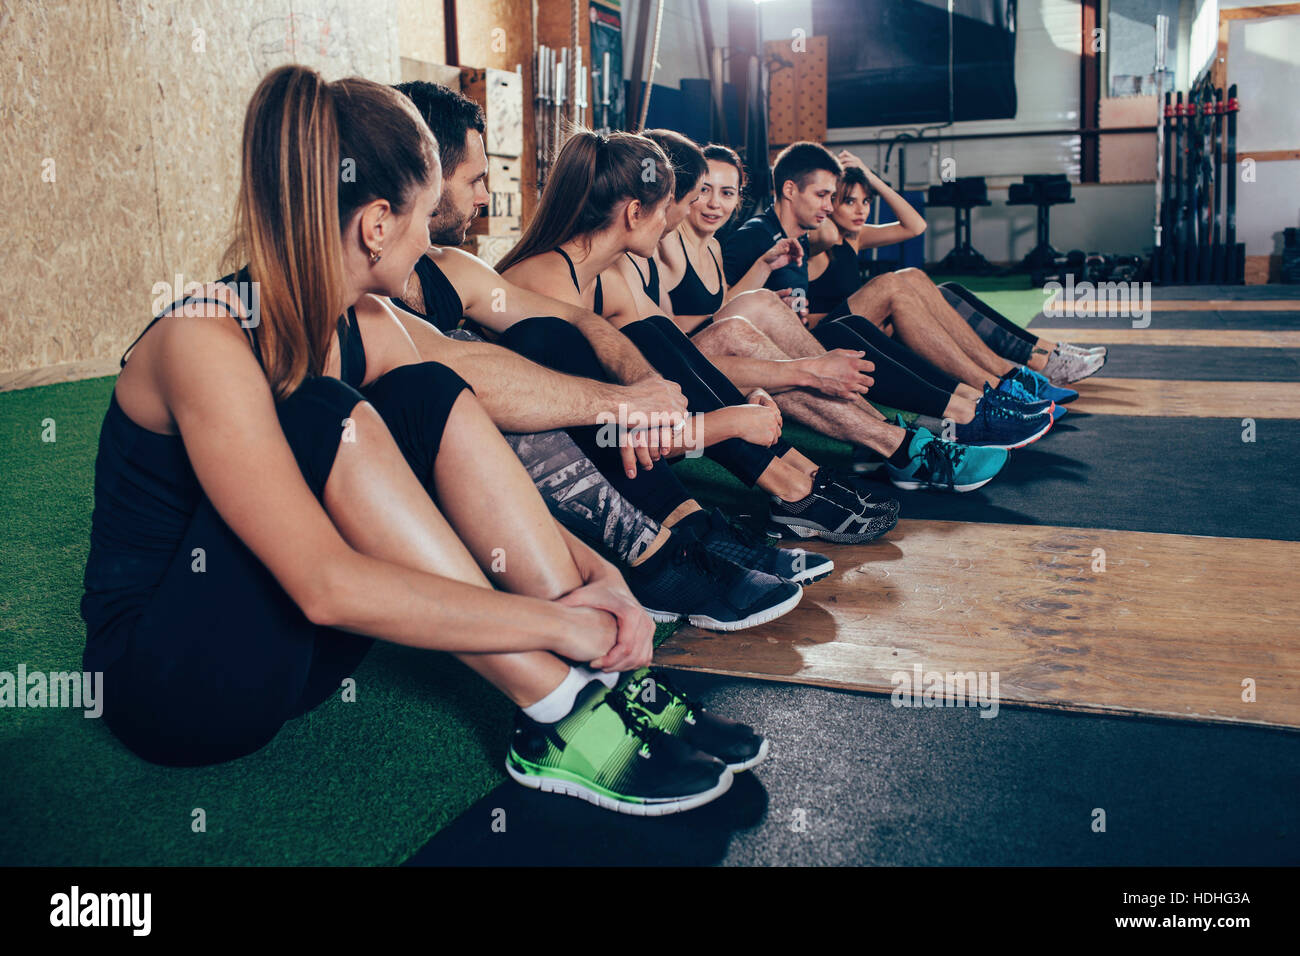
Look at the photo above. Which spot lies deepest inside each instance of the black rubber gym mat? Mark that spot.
(1259, 321)
(1136, 473)
(852, 780)
(1202, 364)
(1239, 293)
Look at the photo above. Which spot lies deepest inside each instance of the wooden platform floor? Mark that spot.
(1183, 399)
(1200, 305)
(1209, 338)
(1171, 628)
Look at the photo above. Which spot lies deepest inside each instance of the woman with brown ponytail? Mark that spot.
(258, 522)
(608, 196)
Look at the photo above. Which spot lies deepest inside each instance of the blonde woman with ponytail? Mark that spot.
(258, 522)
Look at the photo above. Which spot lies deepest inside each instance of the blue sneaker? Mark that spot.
(1016, 397)
(1037, 386)
(1025, 406)
(945, 465)
(999, 426)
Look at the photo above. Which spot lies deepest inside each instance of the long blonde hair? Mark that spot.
(313, 153)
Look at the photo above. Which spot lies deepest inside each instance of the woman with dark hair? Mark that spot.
(610, 196)
(258, 522)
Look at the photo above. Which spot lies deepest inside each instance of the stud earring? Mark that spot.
(375, 255)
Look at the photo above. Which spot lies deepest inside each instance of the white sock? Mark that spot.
(608, 678)
(557, 704)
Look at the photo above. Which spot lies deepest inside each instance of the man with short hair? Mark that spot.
(905, 302)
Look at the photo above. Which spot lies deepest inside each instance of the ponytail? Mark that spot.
(295, 195)
(592, 176)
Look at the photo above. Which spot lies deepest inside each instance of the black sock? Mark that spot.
(694, 525)
(901, 457)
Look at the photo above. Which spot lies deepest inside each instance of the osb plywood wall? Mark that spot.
(120, 125)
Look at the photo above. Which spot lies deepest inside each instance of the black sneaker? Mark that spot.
(669, 710)
(684, 580)
(858, 486)
(609, 753)
(831, 513)
(737, 544)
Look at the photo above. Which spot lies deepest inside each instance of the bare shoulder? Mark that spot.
(669, 251)
(459, 265)
(545, 273)
(624, 267)
(534, 269)
(387, 339)
(624, 300)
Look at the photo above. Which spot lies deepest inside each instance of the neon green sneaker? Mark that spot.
(671, 711)
(608, 753)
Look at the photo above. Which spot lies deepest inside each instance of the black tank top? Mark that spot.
(651, 285)
(691, 297)
(598, 306)
(442, 303)
(145, 495)
(840, 280)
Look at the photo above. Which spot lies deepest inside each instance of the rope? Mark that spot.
(654, 55)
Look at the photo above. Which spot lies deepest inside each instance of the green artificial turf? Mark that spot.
(350, 783)
(1007, 294)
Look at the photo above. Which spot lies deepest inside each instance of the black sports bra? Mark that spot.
(651, 284)
(838, 281)
(443, 307)
(598, 306)
(691, 297)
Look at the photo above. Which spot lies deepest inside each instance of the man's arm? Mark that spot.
(519, 395)
(496, 303)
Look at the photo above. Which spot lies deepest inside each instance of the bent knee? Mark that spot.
(735, 333)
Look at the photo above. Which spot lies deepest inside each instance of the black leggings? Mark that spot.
(677, 358)
(559, 345)
(219, 660)
(903, 379)
(997, 331)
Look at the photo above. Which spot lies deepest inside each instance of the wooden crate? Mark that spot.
(414, 70)
(504, 173)
(505, 204)
(500, 93)
(1128, 157)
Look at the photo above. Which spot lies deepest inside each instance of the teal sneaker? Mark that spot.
(670, 710)
(945, 465)
(609, 753)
